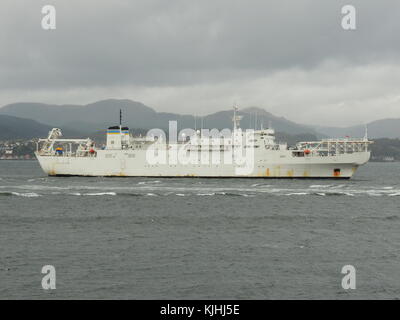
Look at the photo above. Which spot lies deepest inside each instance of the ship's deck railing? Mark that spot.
(334, 146)
(340, 140)
(65, 140)
(83, 148)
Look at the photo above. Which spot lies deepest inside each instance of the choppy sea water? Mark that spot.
(147, 238)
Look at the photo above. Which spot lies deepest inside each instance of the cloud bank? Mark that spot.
(290, 57)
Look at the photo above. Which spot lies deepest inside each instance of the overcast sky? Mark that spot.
(290, 57)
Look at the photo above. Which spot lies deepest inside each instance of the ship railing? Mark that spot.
(48, 147)
(338, 140)
(331, 147)
(65, 140)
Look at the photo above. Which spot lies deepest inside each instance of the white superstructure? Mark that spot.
(199, 155)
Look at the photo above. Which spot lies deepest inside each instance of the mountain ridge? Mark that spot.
(98, 115)
(382, 128)
(101, 114)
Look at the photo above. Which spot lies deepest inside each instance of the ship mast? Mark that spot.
(236, 119)
(366, 133)
(120, 119)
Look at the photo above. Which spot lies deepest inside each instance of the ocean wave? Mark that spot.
(173, 189)
(297, 194)
(39, 187)
(21, 194)
(391, 217)
(340, 194)
(335, 194)
(338, 186)
(260, 185)
(131, 194)
(229, 194)
(320, 186)
(149, 182)
(100, 194)
(93, 194)
(374, 194)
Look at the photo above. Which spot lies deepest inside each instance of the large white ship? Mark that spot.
(223, 154)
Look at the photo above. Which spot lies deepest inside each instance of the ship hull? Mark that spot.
(133, 164)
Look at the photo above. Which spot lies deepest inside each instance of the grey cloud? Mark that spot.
(199, 56)
(180, 42)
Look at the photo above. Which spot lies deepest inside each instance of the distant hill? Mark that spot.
(88, 118)
(256, 117)
(386, 128)
(18, 128)
(99, 115)
(385, 148)
(15, 128)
